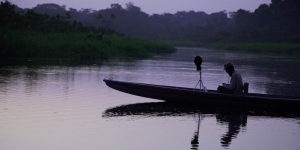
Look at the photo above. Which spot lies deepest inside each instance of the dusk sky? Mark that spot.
(154, 6)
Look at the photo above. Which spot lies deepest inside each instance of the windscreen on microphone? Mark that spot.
(198, 62)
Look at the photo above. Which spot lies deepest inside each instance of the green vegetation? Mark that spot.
(292, 49)
(50, 30)
(33, 44)
(31, 35)
(269, 48)
(276, 22)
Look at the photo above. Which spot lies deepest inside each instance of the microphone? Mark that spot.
(198, 62)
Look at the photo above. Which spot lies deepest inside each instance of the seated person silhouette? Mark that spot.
(236, 82)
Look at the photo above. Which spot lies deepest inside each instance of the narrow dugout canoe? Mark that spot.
(195, 96)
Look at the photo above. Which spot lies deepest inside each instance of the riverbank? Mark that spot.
(20, 44)
(265, 48)
(290, 49)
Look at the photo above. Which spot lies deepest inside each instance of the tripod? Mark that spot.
(201, 83)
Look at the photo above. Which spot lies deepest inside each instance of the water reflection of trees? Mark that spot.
(283, 81)
(30, 78)
(272, 74)
(234, 118)
(31, 74)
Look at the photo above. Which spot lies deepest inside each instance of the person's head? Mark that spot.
(229, 68)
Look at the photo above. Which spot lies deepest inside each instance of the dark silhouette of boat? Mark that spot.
(209, 97)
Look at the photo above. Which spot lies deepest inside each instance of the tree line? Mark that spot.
(277, 22)
(136, 23)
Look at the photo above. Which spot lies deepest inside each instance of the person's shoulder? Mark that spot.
(235, 72)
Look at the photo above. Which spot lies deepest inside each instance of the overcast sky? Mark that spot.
(154, 6)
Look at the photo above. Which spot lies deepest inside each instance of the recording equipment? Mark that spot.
(198, 62)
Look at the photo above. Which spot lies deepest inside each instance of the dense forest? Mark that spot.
(26, 34)
(277, 22)
(117, 31)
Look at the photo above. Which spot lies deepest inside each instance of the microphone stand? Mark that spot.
(200, 82)
(198, 62)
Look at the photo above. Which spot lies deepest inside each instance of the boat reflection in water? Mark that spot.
(234, 118)
(235, 122)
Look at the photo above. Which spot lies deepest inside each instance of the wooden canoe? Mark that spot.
(211, 97)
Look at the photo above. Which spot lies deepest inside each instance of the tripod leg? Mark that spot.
(200, 84)
(204, 88)
(197, 84)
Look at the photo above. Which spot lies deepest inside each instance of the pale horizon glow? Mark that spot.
(154, 6)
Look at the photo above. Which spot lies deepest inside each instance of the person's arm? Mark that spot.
(226, 85)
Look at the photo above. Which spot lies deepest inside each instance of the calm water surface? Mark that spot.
(65, 107)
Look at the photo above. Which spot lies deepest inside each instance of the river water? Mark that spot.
(69, 107)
